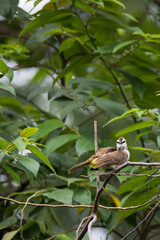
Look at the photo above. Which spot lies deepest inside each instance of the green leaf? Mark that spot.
(63, 107)
(5, 70)
(131, 17)
(63, 237)
(10, 75)
(135, 127)
(88, 84)
(84, 145)
(11, 103)
(118, 3)
(7, 88)
(59, 141)
(109, 106)
(98, 2)
(38, 91)
(29, 163)
(118, 118)
(146, 150)
(149, 100)
(28, 132)
(10, 235)
(136, 82)
(140, 135)
(3, 67)
(75, 65)
(82, 195)
(158, 141)
(137, 199)
(47, 127)
(11, 172)
(132, 184)
(3, 143)
(47, 16)
(20, 144)
(8, 222)
(73, 180)
(66, 44)
(2, 154)
(64, 195)
(124, 115)
(40, 155)
(84, 6)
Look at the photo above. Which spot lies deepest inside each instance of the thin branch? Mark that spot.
(77, 206)
(150, 180)
(80, 225)
(95, 207)
(94, 219)
(146, 217)
(48, 115)
(123, 174)
(25, 205)
(91, 117)
(141, 164)
(96, 149)
(95, 137)
(122, 93)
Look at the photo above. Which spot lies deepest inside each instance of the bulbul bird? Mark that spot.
(106, 157)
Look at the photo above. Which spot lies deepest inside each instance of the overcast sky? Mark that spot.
(27, 6)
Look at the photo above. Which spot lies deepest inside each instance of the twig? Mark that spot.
(95, 137)
(123, 174)
(21, 222)
(94, 219)
(48, 115)
(103, 187)
(96, 149)
(146, 217)
(76, 206)
(94, 216)
(91, 117)
(80, 225)
(150, 180)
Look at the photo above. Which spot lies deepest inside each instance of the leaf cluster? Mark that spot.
(78, 61)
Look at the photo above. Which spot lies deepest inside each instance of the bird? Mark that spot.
(106, 157)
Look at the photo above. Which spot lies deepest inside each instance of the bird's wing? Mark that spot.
(101, 153)
(112, 158)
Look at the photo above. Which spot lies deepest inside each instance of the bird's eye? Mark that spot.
(121, 142)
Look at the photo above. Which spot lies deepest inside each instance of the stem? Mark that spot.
(108, 178)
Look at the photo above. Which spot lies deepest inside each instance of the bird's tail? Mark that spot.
(79, 165)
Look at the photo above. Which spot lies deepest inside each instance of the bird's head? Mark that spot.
(121, 144)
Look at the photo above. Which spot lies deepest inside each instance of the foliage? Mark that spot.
(96, 59)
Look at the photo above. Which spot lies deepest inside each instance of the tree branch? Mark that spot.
(21, 222)
(76, 206)
(95, 205)
(146, 217)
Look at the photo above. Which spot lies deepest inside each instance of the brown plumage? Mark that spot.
(108, 156)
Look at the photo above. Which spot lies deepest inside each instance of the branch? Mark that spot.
(91, 117)
(146, 217)
(76, 206)
(21, 222)
(48, 115)
(124, 174)
(94, 219)
(95, 207)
